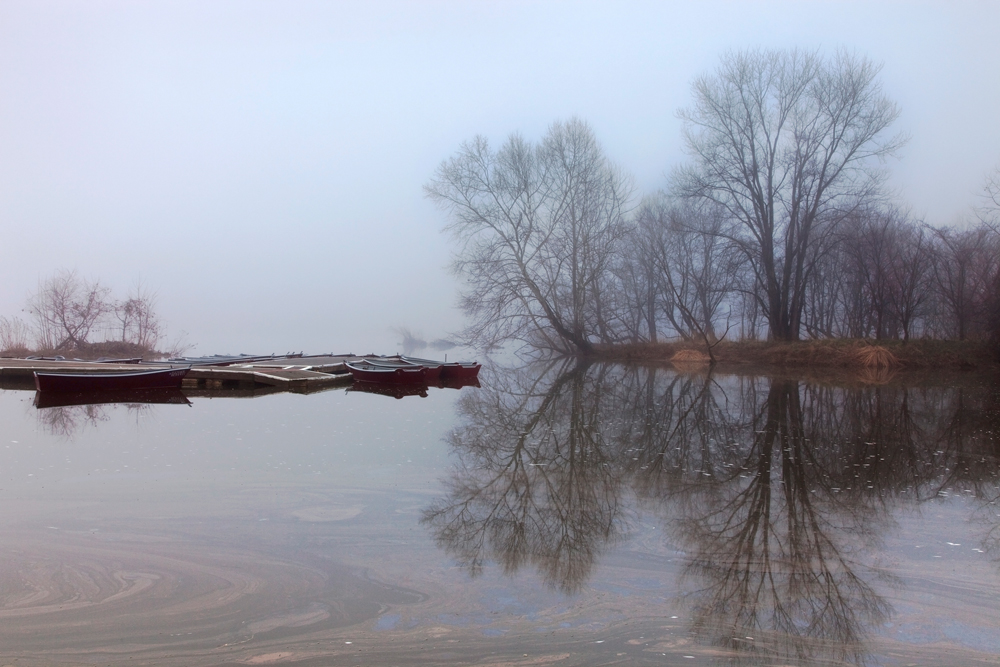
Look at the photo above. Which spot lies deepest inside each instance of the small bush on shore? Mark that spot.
(689, 356)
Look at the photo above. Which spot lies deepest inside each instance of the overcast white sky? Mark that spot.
(260, 164)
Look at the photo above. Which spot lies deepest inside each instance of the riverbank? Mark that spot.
(814, 354)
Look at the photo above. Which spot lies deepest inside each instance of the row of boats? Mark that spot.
(392, 370)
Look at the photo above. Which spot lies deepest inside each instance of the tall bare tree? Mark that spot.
(787, 143)
(66, 309)
(537, 227)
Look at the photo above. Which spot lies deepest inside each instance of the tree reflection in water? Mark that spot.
(778, 491)
(533, 482)
(777, 545)
(66, 421)
(65, 413)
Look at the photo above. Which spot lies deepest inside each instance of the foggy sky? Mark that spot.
(260, 164)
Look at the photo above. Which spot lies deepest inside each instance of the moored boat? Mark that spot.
(160, 378)
(433, 369)
(367, 372)
(450, 370)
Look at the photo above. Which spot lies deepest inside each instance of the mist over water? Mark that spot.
(260, 167)
(576, 514)
(264, 176)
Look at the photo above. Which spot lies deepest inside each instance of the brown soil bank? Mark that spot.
(832, 354)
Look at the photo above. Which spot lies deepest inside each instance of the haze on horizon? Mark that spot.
(260, 165)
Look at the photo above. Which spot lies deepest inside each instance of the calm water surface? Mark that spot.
(607, 515)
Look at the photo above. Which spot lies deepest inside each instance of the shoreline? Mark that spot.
(842, 354)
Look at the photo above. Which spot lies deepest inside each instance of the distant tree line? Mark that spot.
(70, 314)
(778, 227)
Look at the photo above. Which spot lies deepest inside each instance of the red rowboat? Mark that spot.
(161, 378)
(433, 369)
(365, 372)
(450, 370)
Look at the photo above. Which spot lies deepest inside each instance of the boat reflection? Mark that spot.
(64, 413)
(402, 390)
(778, 492)
(393, 390)
(48, 399)
(458, 383)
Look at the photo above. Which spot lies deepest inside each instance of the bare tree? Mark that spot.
(988, 213)
(538, 226)
(988, 210)
(887, 270)
(964, 269)
(825, 314)
(136, 320)
(695, 268)
(66, 309)
(787, 143)
(870, 247)
(637, 282)
(910, 276)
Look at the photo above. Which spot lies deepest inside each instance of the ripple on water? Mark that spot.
(81, 594)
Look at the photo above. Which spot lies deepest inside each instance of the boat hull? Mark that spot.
(369, 373)
(432, 372)
(455, 370)
(164, 378)
(460, 371)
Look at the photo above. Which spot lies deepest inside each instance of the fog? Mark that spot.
(260, 164)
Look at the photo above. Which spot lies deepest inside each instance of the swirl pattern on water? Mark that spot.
(99, 594)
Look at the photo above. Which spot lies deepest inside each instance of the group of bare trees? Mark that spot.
(778, 226)
(69, 313)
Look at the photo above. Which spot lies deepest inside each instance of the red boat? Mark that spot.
(366, 372)
(161, 378)
(433, 369)
(450, 370)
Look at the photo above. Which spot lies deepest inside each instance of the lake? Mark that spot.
(556, 515)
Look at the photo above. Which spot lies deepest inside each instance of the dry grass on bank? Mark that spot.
(91, 351)
(875, 356)
(884, 357)
(689, 356)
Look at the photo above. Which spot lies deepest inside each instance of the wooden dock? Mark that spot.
(300, 374)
